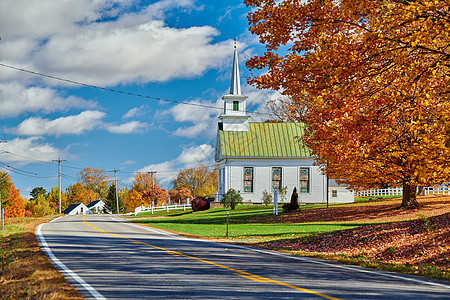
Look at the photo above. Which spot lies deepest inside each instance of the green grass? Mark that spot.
(245, 222)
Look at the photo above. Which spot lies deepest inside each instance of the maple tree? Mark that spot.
(11, 200)
(369, 78)
(201, 181)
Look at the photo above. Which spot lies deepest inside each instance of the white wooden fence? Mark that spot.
(160, 208)
(380, 192)
(398, 191)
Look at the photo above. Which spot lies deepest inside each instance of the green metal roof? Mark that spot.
(263, 140)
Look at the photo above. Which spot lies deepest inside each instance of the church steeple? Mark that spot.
(234, 117)
(235, 88)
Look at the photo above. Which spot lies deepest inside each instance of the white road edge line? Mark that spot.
(290, 256)
(62, 267)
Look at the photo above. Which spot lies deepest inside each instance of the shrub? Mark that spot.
(231, 199)
(199, 204)
(266, 198)
(293, 205)
(28, 213)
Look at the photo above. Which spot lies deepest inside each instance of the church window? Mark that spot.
(304, 180)
(248, 179)
(277, 176)
(235, 105)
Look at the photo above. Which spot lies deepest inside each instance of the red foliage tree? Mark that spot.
(156, 196)
(180, 195)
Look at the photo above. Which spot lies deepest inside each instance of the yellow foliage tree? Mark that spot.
(201, 181)
(94, 180)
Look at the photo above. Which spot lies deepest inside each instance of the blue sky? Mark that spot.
(177, 50)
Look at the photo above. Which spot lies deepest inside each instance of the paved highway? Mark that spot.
(105, 257)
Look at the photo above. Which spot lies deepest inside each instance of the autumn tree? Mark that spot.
(156, 196)
(94, 180)
(52, 201)
(143, 182)
(374, 78)
(201, 181)
(11, 200)
(181, 195)
(132, 200)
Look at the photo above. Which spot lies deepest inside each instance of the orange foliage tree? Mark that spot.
(201, 181)
(10, 197)
(77, 193)
(374, 78)
(142, 183)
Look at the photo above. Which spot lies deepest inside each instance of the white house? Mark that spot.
(77, 209)
(257, 157)
(97, 206)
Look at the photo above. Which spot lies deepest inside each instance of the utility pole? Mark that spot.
(59, 160)
(116, 183)
(2, 210)
(151, 176)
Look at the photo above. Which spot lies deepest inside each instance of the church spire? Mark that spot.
(235, 87)
(234, 117)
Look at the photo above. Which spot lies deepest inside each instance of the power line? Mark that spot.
(118, 91)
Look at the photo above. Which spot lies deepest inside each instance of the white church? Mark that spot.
(254, 157)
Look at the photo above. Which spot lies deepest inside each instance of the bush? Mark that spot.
(266, 198)
(293, 205)
(28, 213)
(199, 204)
(231, 199)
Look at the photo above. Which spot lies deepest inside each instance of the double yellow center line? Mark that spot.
(236, 272)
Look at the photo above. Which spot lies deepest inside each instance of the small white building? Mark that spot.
(256, 157)
(97, 206)
(77, 209)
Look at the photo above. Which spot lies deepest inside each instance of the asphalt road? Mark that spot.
(106, 257)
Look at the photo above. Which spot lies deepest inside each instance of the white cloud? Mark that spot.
(190, 157)
(135, 112)
(87, 41)
(193, 156)
(20, 150)
(203, 121)
(16, 99)
(130, 127)
(75, 124)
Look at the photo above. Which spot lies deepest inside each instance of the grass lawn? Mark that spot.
(213, 224)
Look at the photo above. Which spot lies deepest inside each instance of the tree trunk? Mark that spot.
(409, 196)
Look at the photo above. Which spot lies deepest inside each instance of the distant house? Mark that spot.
(254, 157)
(97, 206)
(77, 209)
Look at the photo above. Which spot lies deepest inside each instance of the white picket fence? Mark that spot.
(167, 208)
(380, 192)
(398, 191)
